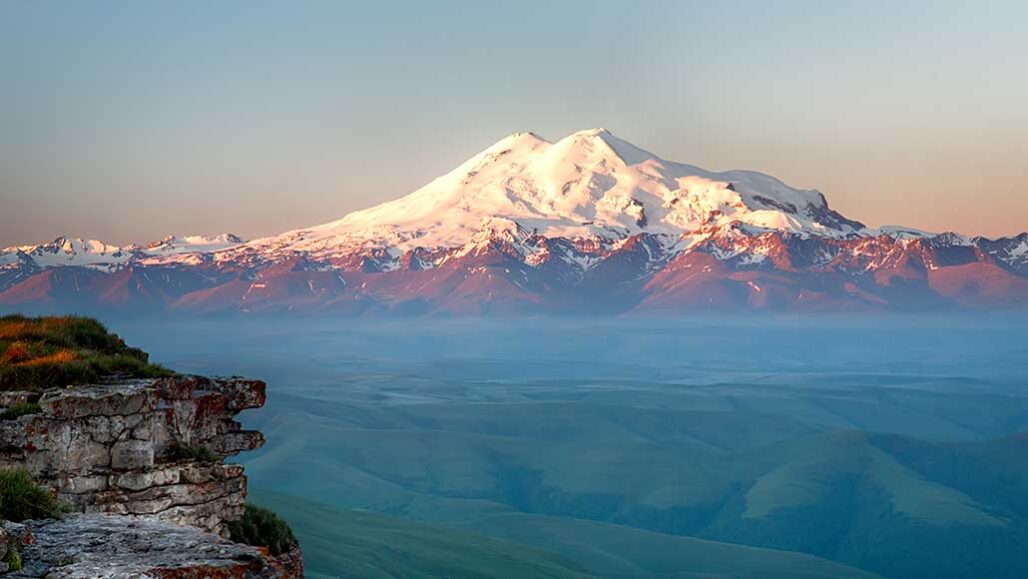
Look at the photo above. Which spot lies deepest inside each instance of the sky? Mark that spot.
(129, 121)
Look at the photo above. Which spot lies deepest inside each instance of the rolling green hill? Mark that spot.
(349, 544)
(358, 544)
(621, 552)
(885, 445)
(888, 504)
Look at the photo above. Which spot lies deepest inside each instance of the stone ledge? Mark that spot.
(116, 447)
(113, 546)
(144, 461)
(119, 399)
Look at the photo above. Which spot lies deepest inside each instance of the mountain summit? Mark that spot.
(589, 223)
(590, 184)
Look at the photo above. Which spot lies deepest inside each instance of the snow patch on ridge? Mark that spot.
(1020, 251)
(173, 245)
(94, 254)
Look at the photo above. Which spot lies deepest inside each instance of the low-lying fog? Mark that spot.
(880, 443)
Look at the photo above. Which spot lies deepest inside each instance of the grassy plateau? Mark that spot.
(40, 353)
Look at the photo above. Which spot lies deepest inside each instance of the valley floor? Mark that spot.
(756, 447)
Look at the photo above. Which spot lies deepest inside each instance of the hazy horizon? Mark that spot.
(130, 122)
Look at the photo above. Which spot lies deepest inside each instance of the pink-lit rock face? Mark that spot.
(152, 448)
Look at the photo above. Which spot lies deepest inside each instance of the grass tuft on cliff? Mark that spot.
(182, 451)
(22, 499)
(46, 352)
(260, 527)
(19, 410)
(13, 559)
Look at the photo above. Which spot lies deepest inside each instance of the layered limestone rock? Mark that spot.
(114, 546)
(152, 448)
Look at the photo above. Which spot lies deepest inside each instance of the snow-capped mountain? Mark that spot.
(67, 251)
(91, 253)
(588, 223)
(589, 185)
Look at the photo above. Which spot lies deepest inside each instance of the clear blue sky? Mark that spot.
(131, 120)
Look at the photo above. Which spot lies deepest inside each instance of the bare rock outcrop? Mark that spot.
(151, 448)
(143, 463)
(113, 546)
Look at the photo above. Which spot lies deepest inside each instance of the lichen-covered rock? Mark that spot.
(13, 537)
(117, 448)
(10, 398)
(111, 546)
(289, 564)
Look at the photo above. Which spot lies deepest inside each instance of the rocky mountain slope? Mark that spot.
(587, 224)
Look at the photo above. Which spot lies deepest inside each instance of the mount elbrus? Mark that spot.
(587, 224)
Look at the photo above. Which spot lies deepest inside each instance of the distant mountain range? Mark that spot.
(588, 224)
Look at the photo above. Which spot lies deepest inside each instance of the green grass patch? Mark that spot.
(261, 527)
(19, 410)
(45, 352)
(21, 498)
(13, 559)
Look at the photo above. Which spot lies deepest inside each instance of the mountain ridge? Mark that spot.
(532, 225)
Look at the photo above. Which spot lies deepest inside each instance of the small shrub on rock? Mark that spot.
(19, 410)
(13, 560)
(21, 498)
(260, 527)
